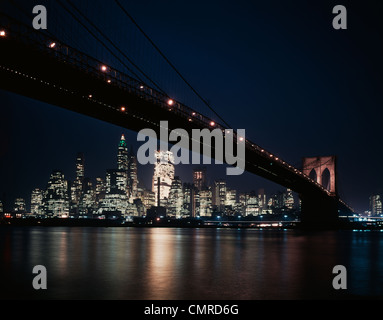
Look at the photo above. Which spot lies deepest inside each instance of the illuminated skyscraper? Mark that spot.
(219, 194)
(115, 200)
(376, 205)
(132, 175)
(175, 200)
(77, 185)
(122, 155)
(188, 207)
(87, 204)
(56, 200)
(19, 206)
(164, 172)
(204, 202)
(289, 199)
(100, 190)
(199, 178)
(37, 201)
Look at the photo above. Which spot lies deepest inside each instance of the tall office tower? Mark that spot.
(262, 201)
(376, 205)
(116, 181)
(80, 166)
(252, 204)
(231, 197)
(289, 199)
(19, 205)
(77, 185)
(87, 204)
(199, 178)
(164, 173)
(37, 201)
(175, 200)
(188, 207)
(56, 200)
(122, 155)
(204, 205)
(148, 198)
(100, 190)
(115, 199)
(132, 175)
(219, 195)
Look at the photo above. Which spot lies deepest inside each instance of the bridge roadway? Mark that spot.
(42, 68)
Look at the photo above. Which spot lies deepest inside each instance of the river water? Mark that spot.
(181, 263)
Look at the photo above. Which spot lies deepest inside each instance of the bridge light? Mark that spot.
(212, 123)
(193, 113)
(190, 120)
(141, 87)
(104, 68)
(122, 109)
(52, 45)
(109, 81)
(241, 138)
(170, 102)
(3, 33)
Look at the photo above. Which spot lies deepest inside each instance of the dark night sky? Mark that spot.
(277, 69)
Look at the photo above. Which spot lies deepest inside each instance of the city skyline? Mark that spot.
(149, 183)
(120, 188)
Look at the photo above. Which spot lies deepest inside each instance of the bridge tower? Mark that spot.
(322, 170)
(320, 210)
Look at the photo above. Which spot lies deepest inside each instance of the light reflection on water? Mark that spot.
(172, 263)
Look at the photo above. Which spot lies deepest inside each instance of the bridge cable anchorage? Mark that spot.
(170, 64)
(106, 47)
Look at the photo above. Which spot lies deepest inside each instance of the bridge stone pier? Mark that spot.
(320, 210)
